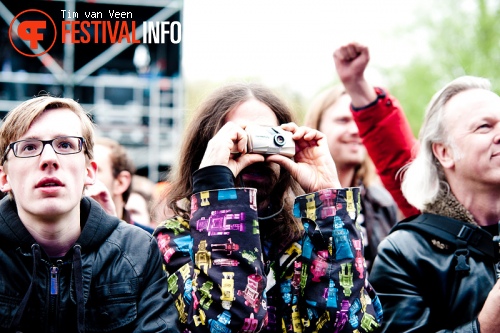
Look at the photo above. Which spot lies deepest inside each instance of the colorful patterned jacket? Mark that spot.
(221, 282)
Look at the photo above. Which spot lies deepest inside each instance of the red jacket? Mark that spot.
(388, 138)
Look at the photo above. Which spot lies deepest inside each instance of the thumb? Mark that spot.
(245, 160)
(283, 161)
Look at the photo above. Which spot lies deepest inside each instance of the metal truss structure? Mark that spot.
(143, 111)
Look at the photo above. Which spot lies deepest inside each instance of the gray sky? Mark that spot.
(289, 42)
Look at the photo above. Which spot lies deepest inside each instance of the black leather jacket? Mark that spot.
(420, 289)
(380, 215)
(110, 281)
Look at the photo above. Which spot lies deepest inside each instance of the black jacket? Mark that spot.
(420, 287)
(380, 215)
(110, 281)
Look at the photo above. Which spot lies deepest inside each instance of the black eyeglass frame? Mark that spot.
(81, 143)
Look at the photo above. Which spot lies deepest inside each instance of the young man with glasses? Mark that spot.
(67, 266)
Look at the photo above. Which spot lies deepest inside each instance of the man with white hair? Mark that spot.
(435, 271)
(438, 271)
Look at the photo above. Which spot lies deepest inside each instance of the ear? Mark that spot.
(444, 155)
(122, 182)
(4, 181)
(91, 175)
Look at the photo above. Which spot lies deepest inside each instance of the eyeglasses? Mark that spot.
(62, 145)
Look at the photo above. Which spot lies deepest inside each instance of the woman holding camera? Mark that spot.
(243, 253)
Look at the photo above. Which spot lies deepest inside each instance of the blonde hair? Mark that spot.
(320, 104)
(17, 122)
(366, 171)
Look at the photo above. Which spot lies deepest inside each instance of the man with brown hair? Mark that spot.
(115, 170)
(67, 266)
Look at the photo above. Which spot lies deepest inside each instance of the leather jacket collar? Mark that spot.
(447, 205)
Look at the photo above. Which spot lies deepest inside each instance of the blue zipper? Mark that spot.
(54, 280)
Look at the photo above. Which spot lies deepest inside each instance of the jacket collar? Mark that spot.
(96, 225)
(447, 205)
(12, 230)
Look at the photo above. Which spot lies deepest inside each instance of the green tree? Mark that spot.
(463, 39)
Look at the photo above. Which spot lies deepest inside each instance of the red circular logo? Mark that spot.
(29, 32)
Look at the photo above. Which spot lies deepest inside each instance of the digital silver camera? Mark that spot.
(266, 140)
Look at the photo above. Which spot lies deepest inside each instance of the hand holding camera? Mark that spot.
(269, 140)
(228, 147)
(312, 166)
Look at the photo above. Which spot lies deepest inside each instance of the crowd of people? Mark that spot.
(342, 222)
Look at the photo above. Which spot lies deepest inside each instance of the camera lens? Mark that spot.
(279, 140)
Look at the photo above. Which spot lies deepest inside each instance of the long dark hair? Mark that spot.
(205, 123)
